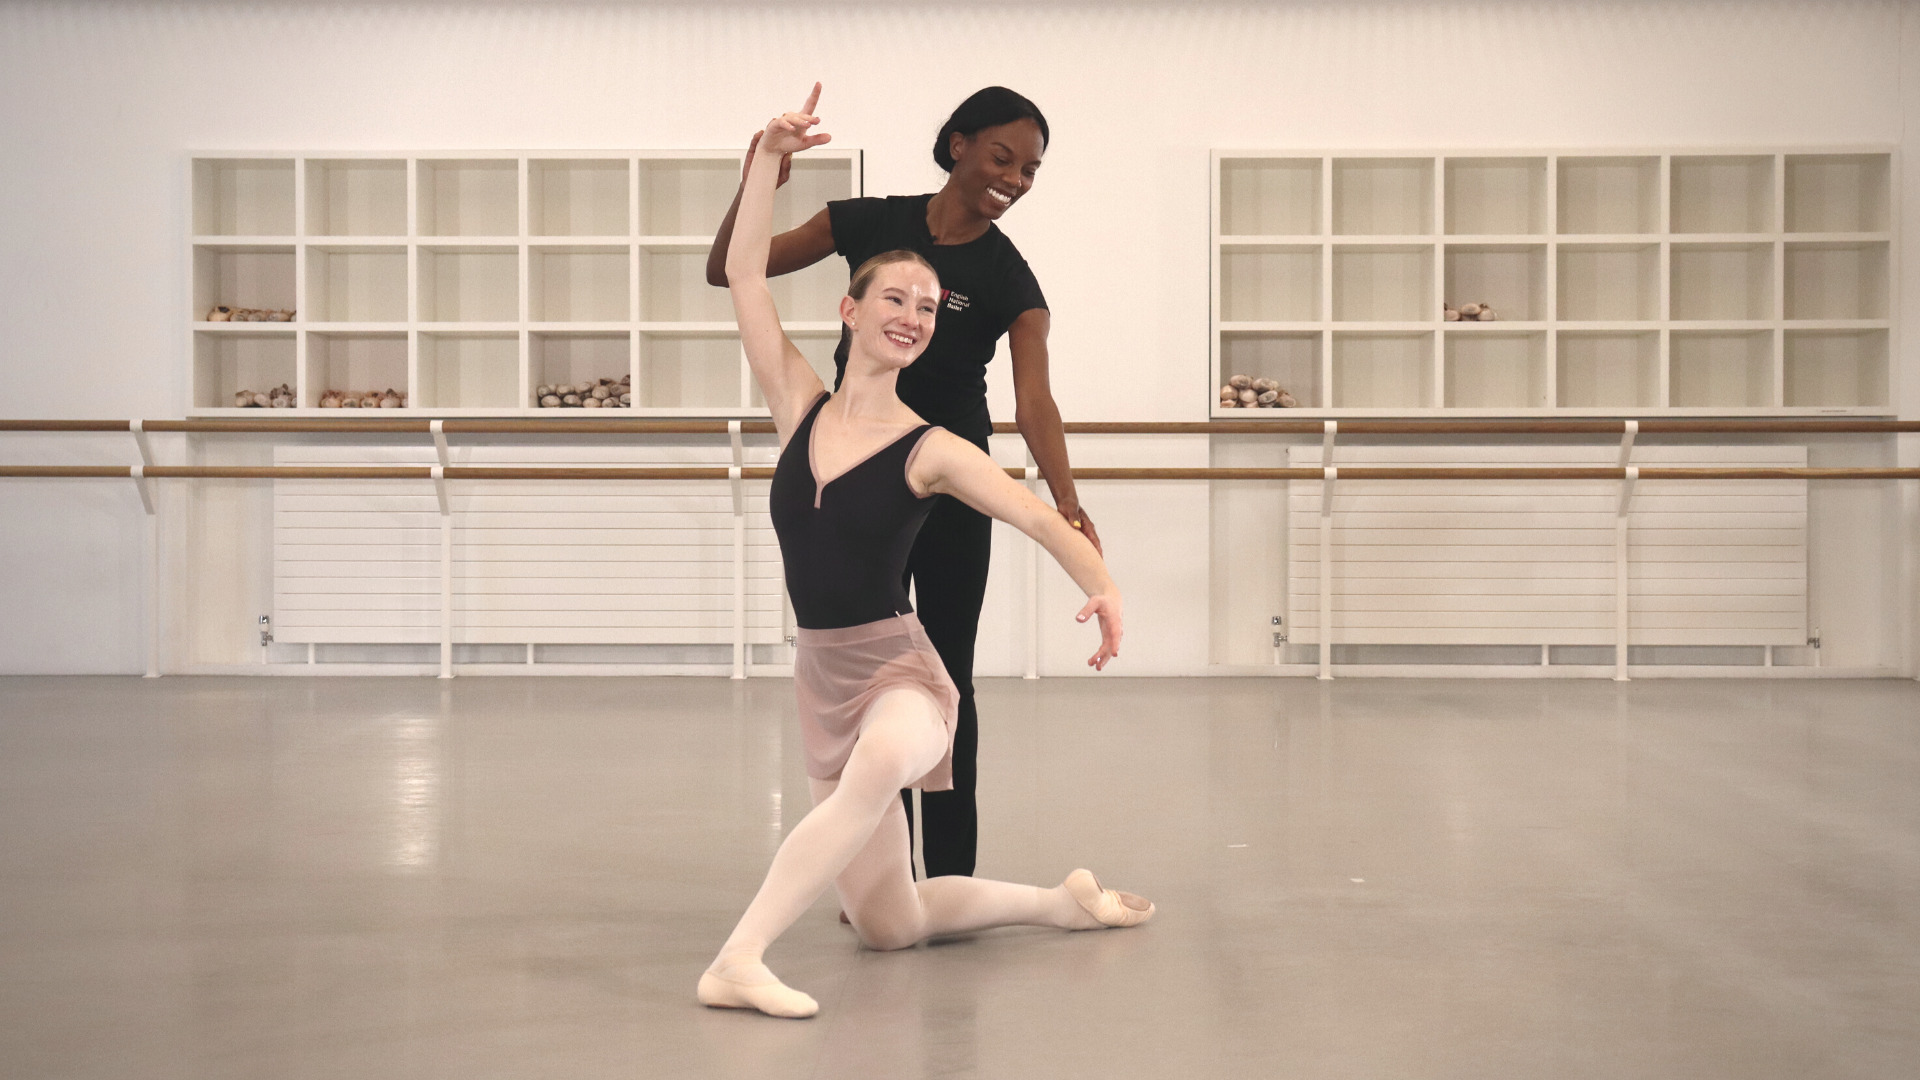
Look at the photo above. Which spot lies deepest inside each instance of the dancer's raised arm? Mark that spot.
(949, 465)
(786, 379)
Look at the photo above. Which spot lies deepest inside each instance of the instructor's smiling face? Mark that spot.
(994, 166)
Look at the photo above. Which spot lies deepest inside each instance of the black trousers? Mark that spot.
(948, 571)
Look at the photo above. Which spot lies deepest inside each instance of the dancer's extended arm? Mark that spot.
(949, 465)
(786, 379)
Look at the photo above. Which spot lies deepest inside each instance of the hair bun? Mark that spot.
(991, 107)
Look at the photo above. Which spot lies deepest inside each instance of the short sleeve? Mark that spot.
(1023, 292)
(855, 223)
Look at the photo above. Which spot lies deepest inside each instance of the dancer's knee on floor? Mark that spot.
(887, 935)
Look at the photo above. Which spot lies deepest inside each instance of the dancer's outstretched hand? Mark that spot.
(1108, 609)
(788, 132)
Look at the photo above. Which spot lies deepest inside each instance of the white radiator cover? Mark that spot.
(540, 562)
(1513, 562)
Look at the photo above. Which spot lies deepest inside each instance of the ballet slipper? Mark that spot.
(752, 986)
(1110, 907)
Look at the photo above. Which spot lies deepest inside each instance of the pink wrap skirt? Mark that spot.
(838, 673)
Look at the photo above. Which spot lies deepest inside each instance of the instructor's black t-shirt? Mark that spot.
(985, 286)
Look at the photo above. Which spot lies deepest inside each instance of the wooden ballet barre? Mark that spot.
(635, 426)
(765, 472)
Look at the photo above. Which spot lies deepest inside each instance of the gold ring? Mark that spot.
(1076, 525)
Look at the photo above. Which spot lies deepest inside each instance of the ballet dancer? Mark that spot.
(856, 477)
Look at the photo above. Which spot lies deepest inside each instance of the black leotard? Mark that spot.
(845, 543)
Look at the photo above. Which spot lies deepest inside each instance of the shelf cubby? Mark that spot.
(1722, 282)
(1495, 369)
(1835, 368)
(567, 357)
(1607, 369)
(1270, 197)
(1383, 283)
(462, 370)
(243, 197)
(253, 276)
(1609, 282)
(1627, 282)
(689, 370)
(1492, 195)
(466, 278)
(355, 363)
(1383, 196)
(810, 186)
(1619, 195)
(469, 284)
(225, 363)
(579, 284)
(1511, 277)
(356, 284)
(1722, 194)
(357, 197)
(469, 198)
(1270, 283)
(1838, 192)
(686, 197)
(580, 197)
(817, 346)
(1292, 360)
(1715, 369)
(673, 288)
(1835, 280)
(1382, 370)
(806, 296)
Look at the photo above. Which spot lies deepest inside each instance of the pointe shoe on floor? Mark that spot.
(1110, 906)
(759, 989)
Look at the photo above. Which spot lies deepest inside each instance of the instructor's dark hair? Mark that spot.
(987, 108)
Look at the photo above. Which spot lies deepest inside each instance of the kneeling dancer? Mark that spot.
(857, 474)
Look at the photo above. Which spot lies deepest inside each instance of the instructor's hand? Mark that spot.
(1107, 607)
(786, 163)
(1076, 516)
(787, 134)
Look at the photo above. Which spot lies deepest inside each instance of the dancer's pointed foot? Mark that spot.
(1108, 907)
(752, 986)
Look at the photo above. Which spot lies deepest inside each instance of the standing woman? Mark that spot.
(990, 149)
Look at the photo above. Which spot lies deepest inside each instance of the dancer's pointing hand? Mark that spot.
(788, 132)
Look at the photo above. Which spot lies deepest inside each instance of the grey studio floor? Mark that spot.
(280, 877)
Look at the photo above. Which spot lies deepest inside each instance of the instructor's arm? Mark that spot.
(792, 250)
(1038, 417)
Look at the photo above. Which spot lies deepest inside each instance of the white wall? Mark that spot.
(100, 104)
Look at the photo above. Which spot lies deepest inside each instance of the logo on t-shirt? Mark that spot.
(955, 301)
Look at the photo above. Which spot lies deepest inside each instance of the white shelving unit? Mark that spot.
(1627, 282)
(468, 279)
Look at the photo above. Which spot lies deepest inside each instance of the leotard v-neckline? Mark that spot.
(813, 471)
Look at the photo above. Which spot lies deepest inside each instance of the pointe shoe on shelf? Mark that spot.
(1110, 906)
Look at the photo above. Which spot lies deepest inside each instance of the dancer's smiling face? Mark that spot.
(995, 166)
(894, 320)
